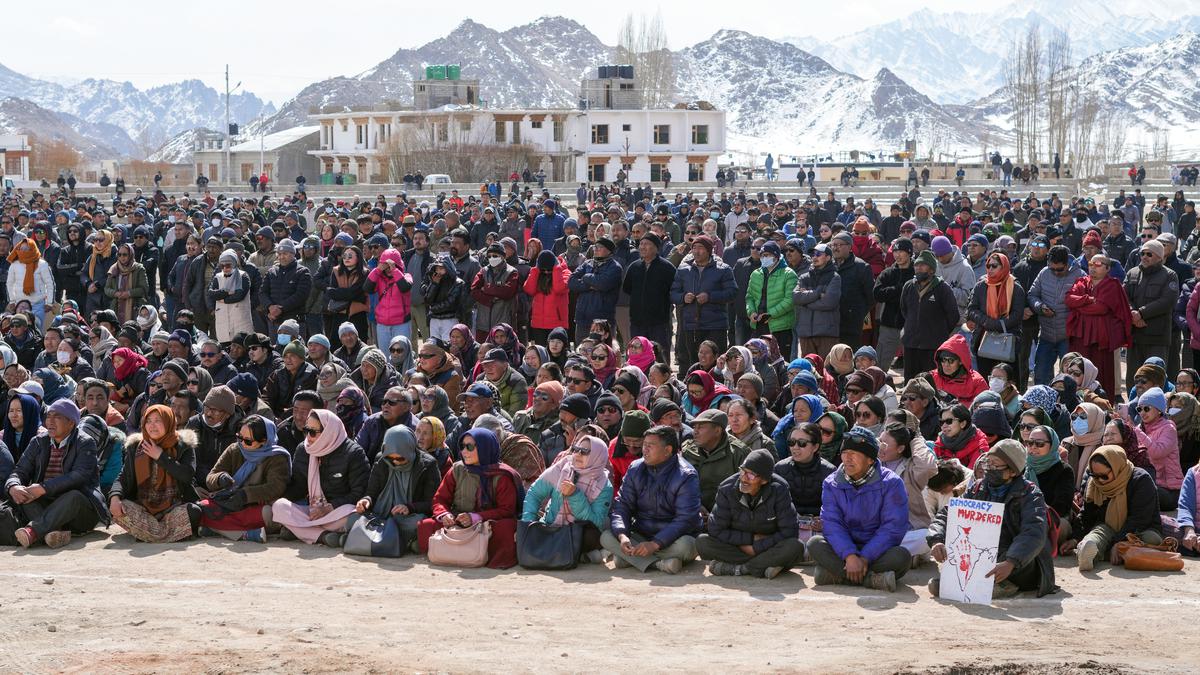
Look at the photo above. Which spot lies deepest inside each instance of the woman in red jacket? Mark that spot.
(547, 285)
(959, 438)
(1099, 322)
(953, 374)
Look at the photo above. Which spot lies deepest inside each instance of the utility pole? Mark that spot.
(227, 137)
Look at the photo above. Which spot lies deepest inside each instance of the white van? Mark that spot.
(437, 179)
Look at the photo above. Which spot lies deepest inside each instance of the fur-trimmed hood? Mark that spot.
(186, 437)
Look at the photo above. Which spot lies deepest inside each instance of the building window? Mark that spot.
(443, 132)
(464, 126)
(385, 132)
(626, 86)
(662, 134)
(516, 133)
(536, 124)
(600, 134)
(596, 173)
(695, 172)
(359, 134)
(700, 134)
(501, 129)
(656, 170)
(558, 131)
(626, 127)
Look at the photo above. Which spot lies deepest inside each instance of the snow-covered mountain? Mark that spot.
(956, 57)
(19, 116)
(133, 121)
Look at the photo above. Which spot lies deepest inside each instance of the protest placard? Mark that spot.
(972, 540)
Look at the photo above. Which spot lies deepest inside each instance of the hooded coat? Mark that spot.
(965, 386)
(392, 288)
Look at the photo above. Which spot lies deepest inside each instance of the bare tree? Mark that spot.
(1058, 79)
(642, 43)
(448, 146)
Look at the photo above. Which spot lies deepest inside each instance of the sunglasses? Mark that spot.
(581, 450)
(1025, 426)
(606, 409)
(467, 447)
(600, 357)
(992, 266)
(1143, 409)
(948, 420)
(194, 382)
(209, 355)
(576, 380)
(827, 432)
(909, 397)
(397, 350)
(541, 396)
(394, 401)
(1147, 254)
(948, 359)
(853, 391)
(312, 433)
(425, 356)
(246, 441)
(1038, 444)
(794, 443)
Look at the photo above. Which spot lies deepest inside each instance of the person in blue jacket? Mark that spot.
(1189, 512)
(575, 489)
(597, 283)
(864, 517)
(656, 516)
(702, 290)
(548, 226)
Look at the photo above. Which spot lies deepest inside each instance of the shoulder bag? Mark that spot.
(1138, 555)
(375, 536)
(461, 546)
(548, 547)
(1000, 346)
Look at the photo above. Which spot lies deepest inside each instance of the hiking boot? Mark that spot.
(823, 577)
(722, 569)
(670, 565)
(26, 537)
(1004, 589)
(258, 536)
(881, 581)
(1087, 552)
(935, 587)
(595, 557)
(58, 538)
(772, 572)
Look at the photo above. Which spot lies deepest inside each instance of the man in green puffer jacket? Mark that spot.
(769, 297)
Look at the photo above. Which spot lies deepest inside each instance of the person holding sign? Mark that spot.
(864, 517)
(1023, 554)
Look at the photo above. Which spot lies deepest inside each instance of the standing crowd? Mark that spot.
(642, 379)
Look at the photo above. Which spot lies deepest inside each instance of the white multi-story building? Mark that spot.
(590, 144)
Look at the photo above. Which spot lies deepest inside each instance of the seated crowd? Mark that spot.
(754, 383)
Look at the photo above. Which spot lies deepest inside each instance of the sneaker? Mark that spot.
(26, 537)
(258, 536)
(772, 572)
(1087, 552)
(882, 581)
(823, 577)
(1004, 589)
(58, 538)
(286, 534)
(595, 557)
(621, 563)
(332, 539)
(722, 569)
(935, 587)
(670, 565)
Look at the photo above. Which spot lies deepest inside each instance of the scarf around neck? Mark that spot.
(1114, 490)
(333, 435)
(156, 488)
(27, 253)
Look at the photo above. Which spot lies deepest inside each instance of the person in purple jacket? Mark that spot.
(864, 517)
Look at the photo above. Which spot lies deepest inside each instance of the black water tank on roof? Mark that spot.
(625, 72)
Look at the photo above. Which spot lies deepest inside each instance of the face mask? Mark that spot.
(716, 215)
(1081, 218)
(599, 259)
(64, 357)
(283, 339)
(997, 384)
(171, 219)
(767, 263)
(994, 477)
(209, 424)
(921, 276)
(495, 260)
(1079, 427)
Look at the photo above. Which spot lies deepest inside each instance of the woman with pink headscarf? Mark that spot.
(575, 489)
(329, 476)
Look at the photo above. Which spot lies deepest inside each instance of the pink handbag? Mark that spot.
(461, 546)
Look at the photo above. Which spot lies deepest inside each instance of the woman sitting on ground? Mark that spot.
(402, 484)
(479, 488)
(431, 439)
(575, 489)
(329, 476)
(1157, 433)
(959, 438)
(1119, 499)
(915, 464)
(151, 499)
(805, 471)
(1053, 476)
(249, 476)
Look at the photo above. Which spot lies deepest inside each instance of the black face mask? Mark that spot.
(921, 277)
(994, 477)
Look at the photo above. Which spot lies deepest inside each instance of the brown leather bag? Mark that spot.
(1138, 555)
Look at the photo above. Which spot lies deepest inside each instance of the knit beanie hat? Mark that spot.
(377, 360)
(755, 381)
(926, 257)
(228, 256)
(244, 385)
(1154, 398)
(320, 339)
(1154, 375)
(861, 380)
(554, 389)
(66, 408)
(294, 347)
(919, 386)
(220, 397)
(992, 420)
(635, 424)
(761, 463)
(578, 405)
(1012, 452)
(806, 379)
(661, 407)
(179, 367)
(867, 351)
(628, 382)
(862, 441)
(875, 405)
(347, 327)
(941, 246)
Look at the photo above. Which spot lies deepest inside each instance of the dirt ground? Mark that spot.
(107, 604)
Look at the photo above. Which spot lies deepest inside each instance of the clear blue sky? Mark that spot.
(277, 48)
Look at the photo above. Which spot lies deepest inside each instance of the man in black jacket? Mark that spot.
(1152, 290)
(1026, 271)
(856, 289)
(648, 284)
(743, 266)
(887, 291)
(753, 527)
(930, 314)
(55, 487)
(200, 272)
(285, 289)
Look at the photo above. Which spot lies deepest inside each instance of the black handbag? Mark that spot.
(548, 547)
(337, 306)
(375, 536)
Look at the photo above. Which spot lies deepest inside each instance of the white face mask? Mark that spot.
(64, 357)
(495, 260)
(997, 384)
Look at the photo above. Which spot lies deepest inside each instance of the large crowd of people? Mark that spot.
(753, 382)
